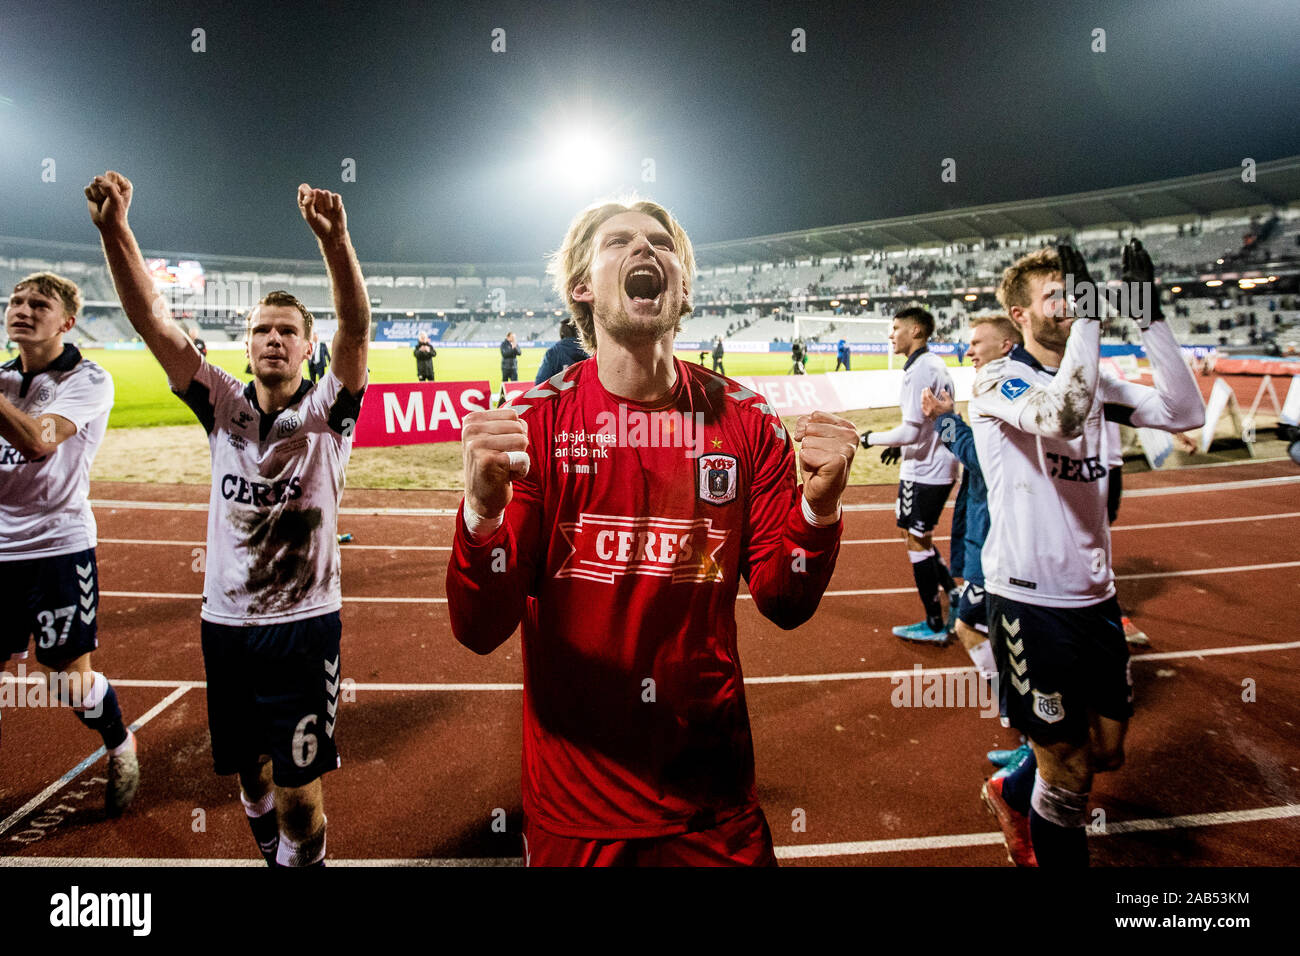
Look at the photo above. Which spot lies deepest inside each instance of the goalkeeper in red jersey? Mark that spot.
(613, 509)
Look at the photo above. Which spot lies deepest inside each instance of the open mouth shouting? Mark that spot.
(644, 285)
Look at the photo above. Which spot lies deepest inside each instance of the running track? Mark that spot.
(1208, 565)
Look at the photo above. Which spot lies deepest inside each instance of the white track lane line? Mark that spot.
(76, 771)
(109, 503)
(1186, 822)
(443, 547)
(345, 547)
(858, 592)
(811, 851)
(1195, 653)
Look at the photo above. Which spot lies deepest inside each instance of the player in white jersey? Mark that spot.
(927, 474)
(54, 408)
(271, 595)
(1038, 417)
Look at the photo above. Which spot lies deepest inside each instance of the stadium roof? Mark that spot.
(1186, 198)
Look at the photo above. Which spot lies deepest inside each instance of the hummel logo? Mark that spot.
(87, 616)
(84, 571)
(1021, 686)
(1017, 648)
(87, 600)
(332, 667)
(1012, 627)
(1019, 666)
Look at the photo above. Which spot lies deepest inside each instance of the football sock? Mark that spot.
(310, 852)
(926, 574)
(263, 823)
(945, 576)
(1018, 787)
(100, 712)
(1057, 819)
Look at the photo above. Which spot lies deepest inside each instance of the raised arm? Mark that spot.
(495, 547)
(108, 198)
(793, 535)
(324, 213)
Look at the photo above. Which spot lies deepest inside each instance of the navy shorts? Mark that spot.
(1058, 665)
(919, 506)
(273, 690)
(56, 601)
(972, 608)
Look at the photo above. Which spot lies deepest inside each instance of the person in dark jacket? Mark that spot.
(842, 355)
(424, 353)
(717, 356)
(562, 354)
(317, 358)
(509, 359)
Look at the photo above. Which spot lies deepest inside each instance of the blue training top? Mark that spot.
(972, 499)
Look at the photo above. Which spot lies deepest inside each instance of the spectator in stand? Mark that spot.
(565, 352)
(717, 355)
(424, 354)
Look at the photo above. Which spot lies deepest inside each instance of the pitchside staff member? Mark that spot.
(1053, 618)
(271, 594)
(424, 354)
(928, 472)
(637, 747)
(54, 409)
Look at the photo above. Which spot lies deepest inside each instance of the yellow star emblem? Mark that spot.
(717, 443)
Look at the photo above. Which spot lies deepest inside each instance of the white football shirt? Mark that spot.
(927, 459)
(1049, 538)
(44, 504)
(273, 553)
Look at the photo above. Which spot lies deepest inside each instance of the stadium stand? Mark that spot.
(1200, 230)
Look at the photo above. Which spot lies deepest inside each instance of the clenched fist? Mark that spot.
(495, 448)
(108, 197)
(827, 446)
(324, 212)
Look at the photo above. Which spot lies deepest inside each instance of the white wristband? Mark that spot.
(816, 520)
(479, 527)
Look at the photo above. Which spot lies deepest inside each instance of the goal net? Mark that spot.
(822, 334)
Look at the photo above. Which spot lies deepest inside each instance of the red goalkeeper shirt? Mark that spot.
(621, 552)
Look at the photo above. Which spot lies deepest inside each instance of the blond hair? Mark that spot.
(571, 263)
(56, 287)
(1014, 288)
(1004, 326)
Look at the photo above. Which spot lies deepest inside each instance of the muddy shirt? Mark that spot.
(273, 553)
(1041, 437)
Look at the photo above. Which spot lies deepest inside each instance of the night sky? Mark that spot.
(451, 141)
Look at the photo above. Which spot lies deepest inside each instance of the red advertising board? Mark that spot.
(418, 413)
